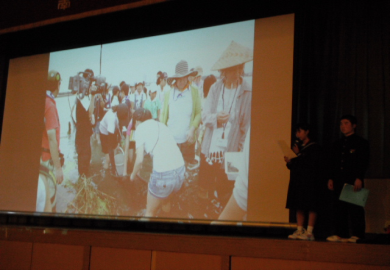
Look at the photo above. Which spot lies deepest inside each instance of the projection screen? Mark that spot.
(243, 169)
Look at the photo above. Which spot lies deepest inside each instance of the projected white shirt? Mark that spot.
(115, 101)
(159, 142)
(226, 102)
(180, 110)
(138, 99)
(109, 123)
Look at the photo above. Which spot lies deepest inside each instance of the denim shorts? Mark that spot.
(162, 184)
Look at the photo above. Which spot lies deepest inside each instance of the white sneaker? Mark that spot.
(334, 238)
(296, 234)
(306, 236)
(353, 239)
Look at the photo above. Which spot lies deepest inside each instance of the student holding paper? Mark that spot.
(350, 157)
(305, 181)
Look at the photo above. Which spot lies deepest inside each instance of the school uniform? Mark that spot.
(349, 161)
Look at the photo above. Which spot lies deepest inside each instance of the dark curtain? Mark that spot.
(342, 66)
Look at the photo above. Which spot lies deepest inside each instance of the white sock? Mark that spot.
(300, 228)
(310, 229)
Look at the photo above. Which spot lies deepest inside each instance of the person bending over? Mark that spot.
(155, 138)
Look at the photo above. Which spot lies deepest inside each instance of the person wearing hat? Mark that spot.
(153, 104)
(110, 130)
(139, 97)
(226, 116)
(182, 112)
(50, 158)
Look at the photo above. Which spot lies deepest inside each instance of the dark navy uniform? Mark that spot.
(350, 158)
(306, 178)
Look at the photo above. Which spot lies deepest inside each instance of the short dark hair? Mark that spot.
(305, 127)
(88, 72)
(350, 118)
(141, 114)
(115, 90)
(125, 88)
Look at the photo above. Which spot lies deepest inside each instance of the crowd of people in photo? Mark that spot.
(183, 122)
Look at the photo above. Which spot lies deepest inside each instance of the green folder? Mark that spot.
(350, 196)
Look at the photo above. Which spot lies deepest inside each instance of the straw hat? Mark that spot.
(181, 71)
(234, 55)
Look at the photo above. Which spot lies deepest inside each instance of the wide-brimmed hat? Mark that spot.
(234, 55)
(181, 71)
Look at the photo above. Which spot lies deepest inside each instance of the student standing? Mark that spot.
(305, 181)
(350, 158)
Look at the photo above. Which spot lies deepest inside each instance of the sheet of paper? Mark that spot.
(286, 150)
(350, 196)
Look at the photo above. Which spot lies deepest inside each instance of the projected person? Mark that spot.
(154, 138)
(139, 96)
(107, 98)
(349, 162)
(124, 94)
(124, 97)
(198, 81)
(162, 85)
(84, 111)
(306, 178)
(182, 112)
(208, 82)
(132, 91)
(99, 112)
(115, 96)
(226, 117)
(110, 130)
(50, 159)
(153, 103)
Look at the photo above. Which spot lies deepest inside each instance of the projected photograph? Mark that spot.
(153, 127)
